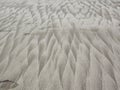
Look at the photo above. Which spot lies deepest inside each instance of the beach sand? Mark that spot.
(59, 45)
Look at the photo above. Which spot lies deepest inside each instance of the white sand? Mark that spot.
(60, 45)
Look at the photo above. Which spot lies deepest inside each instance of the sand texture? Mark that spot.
(59, 44)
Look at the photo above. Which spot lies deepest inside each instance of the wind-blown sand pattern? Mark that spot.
(60, 45)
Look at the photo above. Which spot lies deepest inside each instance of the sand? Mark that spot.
(59, 45)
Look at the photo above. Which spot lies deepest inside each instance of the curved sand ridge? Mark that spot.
(60, 45)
